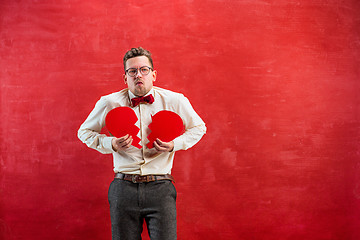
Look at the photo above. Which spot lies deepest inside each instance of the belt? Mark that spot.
(146, 178)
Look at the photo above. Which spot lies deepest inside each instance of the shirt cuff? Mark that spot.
(177, 144)
(107, 144)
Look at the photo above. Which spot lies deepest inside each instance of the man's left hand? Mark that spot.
(163, 146)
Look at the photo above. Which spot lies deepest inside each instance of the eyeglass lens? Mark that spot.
(143, 70)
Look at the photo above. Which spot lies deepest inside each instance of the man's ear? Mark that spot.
(154, 73)
(125, 78)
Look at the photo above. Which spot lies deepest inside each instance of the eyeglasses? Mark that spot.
(145, 70)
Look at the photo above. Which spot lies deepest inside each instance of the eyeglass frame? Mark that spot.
(137, 70)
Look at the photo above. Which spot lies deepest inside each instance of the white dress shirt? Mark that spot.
(142, 161)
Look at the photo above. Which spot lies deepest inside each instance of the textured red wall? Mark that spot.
(277, 83)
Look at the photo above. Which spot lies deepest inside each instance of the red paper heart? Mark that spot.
(121, 121)
(166, 126)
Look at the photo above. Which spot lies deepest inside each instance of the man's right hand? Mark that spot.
(121, 143)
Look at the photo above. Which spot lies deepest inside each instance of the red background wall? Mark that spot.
(277, 83)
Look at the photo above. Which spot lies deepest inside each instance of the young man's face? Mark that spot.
(140, 84)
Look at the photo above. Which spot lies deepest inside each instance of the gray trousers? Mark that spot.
(132, 203)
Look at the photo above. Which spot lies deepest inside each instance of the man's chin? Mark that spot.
(140, 92)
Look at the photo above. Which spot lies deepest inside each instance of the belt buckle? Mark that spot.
(133, 178)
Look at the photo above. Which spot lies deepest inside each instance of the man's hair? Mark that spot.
(136, 52)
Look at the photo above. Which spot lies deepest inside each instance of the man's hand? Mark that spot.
(121, 143)
(163, 146)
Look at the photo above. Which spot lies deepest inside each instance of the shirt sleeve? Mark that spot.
(89, 132)
(194, 126)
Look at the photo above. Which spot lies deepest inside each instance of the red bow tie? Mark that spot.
(138, 100)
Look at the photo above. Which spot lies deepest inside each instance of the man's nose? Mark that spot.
(138, 73)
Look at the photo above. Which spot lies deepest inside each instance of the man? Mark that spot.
(143, 187)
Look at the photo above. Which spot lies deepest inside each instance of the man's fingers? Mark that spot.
(129, 143)
(121, 139)
(122, 142)
(158, 142)
(163, 146)
(158, 146)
